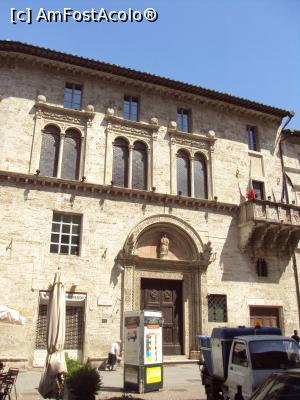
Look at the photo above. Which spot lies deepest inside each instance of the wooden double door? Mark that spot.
(166, 296)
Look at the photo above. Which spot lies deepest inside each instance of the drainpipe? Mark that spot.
(295, 267)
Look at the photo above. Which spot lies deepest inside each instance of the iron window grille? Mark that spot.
(183, 120)
(72, 96)
(217, 308)
(131, 108)
(65, 234)
(74, 327)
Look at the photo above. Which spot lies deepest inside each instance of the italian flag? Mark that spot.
(250, 192)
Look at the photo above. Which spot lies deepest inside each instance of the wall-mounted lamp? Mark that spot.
(237, 173)
(153, 188)
(112, 183)
(83, 179)
(215, 198)
(179, 192)
(37, 172)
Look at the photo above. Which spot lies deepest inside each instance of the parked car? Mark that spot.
(283, 385)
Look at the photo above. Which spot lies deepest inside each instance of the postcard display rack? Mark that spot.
(143, 369)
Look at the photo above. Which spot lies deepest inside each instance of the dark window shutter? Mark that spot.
(139, 166)
(120, 163)
(183, 174)
(200, 177)
(71, 156)
(49, 152)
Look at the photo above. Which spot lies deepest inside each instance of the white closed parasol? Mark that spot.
(55, 361)
(11, 316)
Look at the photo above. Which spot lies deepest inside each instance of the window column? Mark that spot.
(192, 176)
(60, 153)
(149, 169)
(130, 147)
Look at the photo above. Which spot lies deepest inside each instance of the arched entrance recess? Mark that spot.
(164, 268)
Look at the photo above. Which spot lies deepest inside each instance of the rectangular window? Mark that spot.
(217, 308)
(65, 235)
(183, 120)
(259, 190)
(72, 96)
(131, 108)
(252, 138)
(239, 355)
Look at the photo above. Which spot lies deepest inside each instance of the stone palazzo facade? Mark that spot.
(135, 186)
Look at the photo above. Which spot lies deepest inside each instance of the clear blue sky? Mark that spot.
(248, 48)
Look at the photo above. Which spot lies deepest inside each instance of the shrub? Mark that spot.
(84, 382)
(72, 365)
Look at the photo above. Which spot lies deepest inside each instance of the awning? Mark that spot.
(294, 177)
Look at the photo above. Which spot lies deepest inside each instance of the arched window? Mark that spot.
(71, 155)
(183, 173)
(139, 166)
(200, 177)
(120, 163)
(49, 151)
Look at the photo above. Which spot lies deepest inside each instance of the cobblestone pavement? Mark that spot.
(181, 382)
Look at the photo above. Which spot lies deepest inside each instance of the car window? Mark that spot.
(283, 387)
(239, 355)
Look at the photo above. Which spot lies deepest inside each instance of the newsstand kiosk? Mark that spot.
(143, 369)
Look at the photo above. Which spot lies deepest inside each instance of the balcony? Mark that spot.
(269, 227)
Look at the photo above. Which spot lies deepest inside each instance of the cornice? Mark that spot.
(113, 192)
(145, 81)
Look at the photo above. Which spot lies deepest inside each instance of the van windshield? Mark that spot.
(274, 354)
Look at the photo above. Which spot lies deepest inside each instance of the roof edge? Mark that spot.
(20, 47)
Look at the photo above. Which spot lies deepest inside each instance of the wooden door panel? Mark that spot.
(166, 296)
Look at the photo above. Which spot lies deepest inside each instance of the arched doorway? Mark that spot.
(162, 270)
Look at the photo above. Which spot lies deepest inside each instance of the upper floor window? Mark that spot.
(183, 174)
(49, 151)
(65, 234)
(252, 138)
(120, 163)
(259, 190)
(71, 155)
(139, 166)
(72, 96)
(200, 177)
(131, 108)
(51, 164)
(188, 174)
(132, 175)
(183, 120)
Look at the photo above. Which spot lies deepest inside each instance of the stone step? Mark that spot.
(178, 360)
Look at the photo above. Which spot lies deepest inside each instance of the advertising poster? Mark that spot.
(153, 375)
(132, 340)
(152, 340)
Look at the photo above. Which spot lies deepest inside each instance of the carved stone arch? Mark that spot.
(185, 150)
(202, 154)
(152, 228)
(121, 137)
(143, 142)
(49, 125)
(75, 129)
